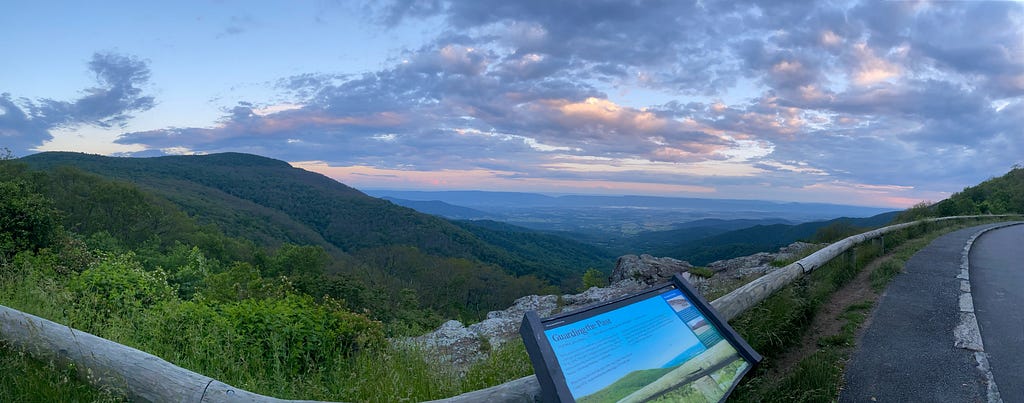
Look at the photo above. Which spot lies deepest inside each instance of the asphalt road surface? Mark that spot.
(997, 283)
(906, 354)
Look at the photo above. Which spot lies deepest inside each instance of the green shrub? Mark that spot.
(116, 286)
(300, 332)
(701, 272)
(594, 278)
(238, 282)
(28, 220)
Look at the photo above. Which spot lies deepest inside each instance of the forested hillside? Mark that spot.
(1002, 195)
(759, 238)
(326, 238)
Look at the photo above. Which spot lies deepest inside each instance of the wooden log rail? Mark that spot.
(146, 377)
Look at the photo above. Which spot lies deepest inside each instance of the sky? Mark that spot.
(880, 103)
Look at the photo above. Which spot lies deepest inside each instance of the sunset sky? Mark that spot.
(870, 103)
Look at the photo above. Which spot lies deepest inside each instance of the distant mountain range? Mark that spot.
(611, 215)
(703, 244)
(270, 202)
(642, 224)
(487, 201)
(441, 254)
(440, 208)
(555, 238)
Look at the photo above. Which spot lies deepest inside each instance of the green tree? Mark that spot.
(190, 277)
(116, 286)
(836, 231)
(27, 219)
(918, 211)
(594, 278)
(299, 261)
(240, 281)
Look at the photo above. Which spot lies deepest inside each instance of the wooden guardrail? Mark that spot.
(149, 378)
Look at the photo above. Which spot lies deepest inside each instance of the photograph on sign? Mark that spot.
(655, 346)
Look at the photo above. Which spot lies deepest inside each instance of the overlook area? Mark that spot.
(363, 200)
(311, 292)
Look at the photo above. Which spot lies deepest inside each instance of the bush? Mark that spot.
(299, 333)
(594, 278)
(702, 272)
(116, 286)
(27, 219)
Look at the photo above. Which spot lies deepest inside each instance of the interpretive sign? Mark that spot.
(663, 344)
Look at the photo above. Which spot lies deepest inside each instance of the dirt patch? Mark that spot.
(828, 320)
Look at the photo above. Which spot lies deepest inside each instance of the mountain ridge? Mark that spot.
(304, 205)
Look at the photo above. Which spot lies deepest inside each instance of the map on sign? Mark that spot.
(655, 346)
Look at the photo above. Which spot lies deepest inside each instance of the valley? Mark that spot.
(214, 260)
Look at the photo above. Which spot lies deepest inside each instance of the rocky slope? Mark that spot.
(463, 345)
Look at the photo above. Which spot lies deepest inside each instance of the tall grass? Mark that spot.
(199, 336)
(778, 324)
(24, 379)
(205, 338)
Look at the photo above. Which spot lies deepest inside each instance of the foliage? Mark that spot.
(916, 212)
(836, 231)
(296, 320)
(115, 286)
(594, 278)
(777, 324)
(701, 272)
(453, 287)
(309, 334)
(314, 209)
(1002, 195)
(27, 219)
(327, 239)
(552, 257)
(762, 238)
(45, 382)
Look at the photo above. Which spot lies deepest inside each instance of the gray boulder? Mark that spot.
(463, 345)
(647, 269)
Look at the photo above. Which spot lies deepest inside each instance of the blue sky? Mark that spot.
(871, 103)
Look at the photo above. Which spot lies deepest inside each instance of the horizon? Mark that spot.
(556, 195)
(852, 103)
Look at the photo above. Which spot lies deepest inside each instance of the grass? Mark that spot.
(190, 336)
(28, 380)
(701, 271)
(776, 325)
(401, 373)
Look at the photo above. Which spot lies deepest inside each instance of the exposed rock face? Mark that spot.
(463, 345)
(792, 250)
(756, 260)
(758, 263)
(647, 269)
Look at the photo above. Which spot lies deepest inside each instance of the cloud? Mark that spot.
(110, 103)
(19, 132)
(869, 97)
(26, 124)
(237, 25)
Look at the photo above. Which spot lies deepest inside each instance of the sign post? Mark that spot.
(665, 343)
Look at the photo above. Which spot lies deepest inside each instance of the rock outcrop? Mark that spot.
(647, 269)
(758, 263)
(463, 345)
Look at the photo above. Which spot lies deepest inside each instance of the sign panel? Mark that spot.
(664, 344)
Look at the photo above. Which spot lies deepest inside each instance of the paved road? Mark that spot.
(997, 282)
(906, 354)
